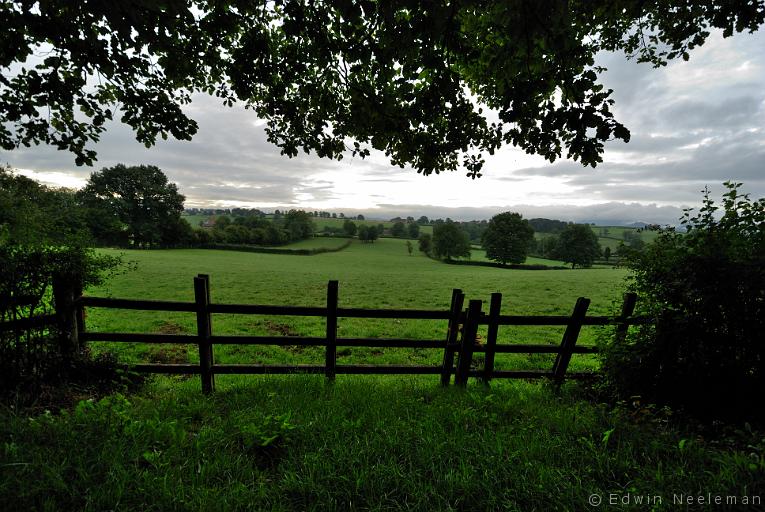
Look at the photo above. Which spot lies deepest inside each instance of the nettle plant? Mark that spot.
(705, 289)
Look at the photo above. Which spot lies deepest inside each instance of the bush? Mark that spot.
(705, 290)
(31, 356)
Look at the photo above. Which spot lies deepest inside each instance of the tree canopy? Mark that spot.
(450, 241)
(434, 85)
(578, 245)
(507, 238)
(133, 206)
(705, 291)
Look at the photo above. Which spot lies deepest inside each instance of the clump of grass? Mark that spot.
(295, 442)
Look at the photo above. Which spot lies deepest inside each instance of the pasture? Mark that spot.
(296, 442)
(378, 275)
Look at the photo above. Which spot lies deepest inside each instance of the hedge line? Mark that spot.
(499, 265)
(275, 250)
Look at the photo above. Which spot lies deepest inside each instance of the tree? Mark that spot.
(449, 241)
(423, 220)
(607, 253)
(349, 227)
(413, 230)
(398, 229)
(507, 238)
(409, 247)
(425, 243)
(367, 234)
(33, 214)
(705, 292)
(359, 217)
(138, 201)
(416, 80)
(578, 245)
(298, 225)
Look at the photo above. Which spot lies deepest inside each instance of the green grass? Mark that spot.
(297, 443)
(379, 275)
(364, 442)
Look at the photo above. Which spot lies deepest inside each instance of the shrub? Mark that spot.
(30, 356)
(705, 290)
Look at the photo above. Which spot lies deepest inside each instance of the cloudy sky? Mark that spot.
(693, 124)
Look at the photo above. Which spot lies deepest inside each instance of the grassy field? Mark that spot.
(375, 275)
(363, 442)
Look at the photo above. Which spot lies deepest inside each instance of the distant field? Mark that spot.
(610, 236)
(379, 275)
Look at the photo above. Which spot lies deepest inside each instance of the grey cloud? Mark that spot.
(709, 116)
(612, 213)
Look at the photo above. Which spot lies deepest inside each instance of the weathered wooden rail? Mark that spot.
(459, 341)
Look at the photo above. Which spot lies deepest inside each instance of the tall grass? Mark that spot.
(364, 443)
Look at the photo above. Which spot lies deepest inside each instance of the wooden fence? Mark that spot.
(459, 341)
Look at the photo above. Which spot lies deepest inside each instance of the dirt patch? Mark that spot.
(170, 328)
(168, 354)
(278, 328)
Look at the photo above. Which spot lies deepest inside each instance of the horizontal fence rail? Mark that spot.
(459, 340)
(32, 322)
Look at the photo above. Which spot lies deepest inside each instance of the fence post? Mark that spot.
(469, 333)
(628, 307)
(204, 331)
(331, 355)
(569, 340)
(64, 295)
(491, 336)
(452, 331)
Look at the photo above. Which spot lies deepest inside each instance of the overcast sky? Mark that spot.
(693, 124)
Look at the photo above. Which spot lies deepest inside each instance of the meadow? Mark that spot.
(376, 275)
(298, 442)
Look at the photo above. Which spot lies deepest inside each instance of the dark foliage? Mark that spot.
(706, 291)
(368, 234)
(135, 207)
(42, 233)
(507, 238)
(450, 241)
(400, 77)
(542, 225)
(578, 245)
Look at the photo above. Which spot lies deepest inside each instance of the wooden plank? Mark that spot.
(495, 307)
(355, 369)
(628, 307)
(468, 341)
(503, 374)
(80, 312)
(569, 340)
(408, 314)
(452, 332)
(147, 305)
(533, 374)
(132, 337)
(390, 343)
(537, 348)
(267, 340)
(261, 369)
(316, 341)
(64, 296)
(202, 296)
(361, 369)
(563, 320)
(331, 353)
(28, 323)
(178, 369)
(252, 309)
